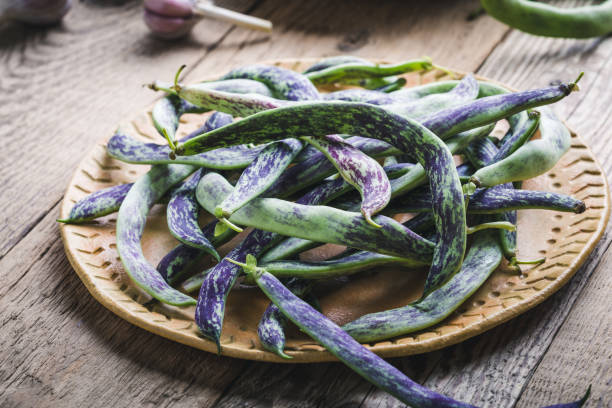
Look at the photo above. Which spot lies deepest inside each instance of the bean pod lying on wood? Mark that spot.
(418, 130)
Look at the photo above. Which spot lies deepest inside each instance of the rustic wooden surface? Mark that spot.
(64, 88)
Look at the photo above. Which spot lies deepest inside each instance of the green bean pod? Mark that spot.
(550, 21)
(318, 223)
(357, 70)
(533, 158)
(130, 226)
(483, 257)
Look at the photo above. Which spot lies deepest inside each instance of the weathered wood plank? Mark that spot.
(66, 87)
(60, 347)
(581, 349)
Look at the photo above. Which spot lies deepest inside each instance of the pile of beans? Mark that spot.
(310, 168)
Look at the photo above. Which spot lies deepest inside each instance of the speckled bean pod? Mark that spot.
(182, 216)
(346, 349)
(357, 70)
(259, 175)
(359, 170)
(97, 204)
(482, 259)
(533, 158)
(284, 83)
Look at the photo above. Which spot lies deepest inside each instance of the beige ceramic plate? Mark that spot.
(564, 239)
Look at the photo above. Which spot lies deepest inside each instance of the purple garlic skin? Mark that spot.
(36, 12)
(169, 19)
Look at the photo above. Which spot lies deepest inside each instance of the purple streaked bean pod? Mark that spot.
(130, 226)
(131, 222)
(358, 71)
(176, 263)
(533, 158)
(517, 136)
(318, 222)
(344, 347)
(127, 149)
(359, 95)
(465, 91)
(167, 111)
(217, 282)
(284, 83)
(97, 204)
(495, 200)
(481, 260)
(182, 215)
(259, 175)
(360, 171)
(271, 326)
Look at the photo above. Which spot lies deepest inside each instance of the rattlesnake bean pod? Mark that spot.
(533, 158)
(334, 61)
(97, 204)
(127, 149)
(284, 83)
(358, 70)
(130, 225)
(482, 259)
(270, 329)
(550, 21)
(359, 170)
(259, 175)
(182, 216)
(167, 111)
(131, 221)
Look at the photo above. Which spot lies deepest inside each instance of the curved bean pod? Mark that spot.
(517, 136)
(97, 204)
(357, 70)
(333, 338)
(483, 257)
(292, 246)
(259, 175)
(353, 118)
(494, 200)
(130, 225)
(342, 266)
(533, 158)
(318, 223)
(167, 111)
(465, 91)
(550, 21)
(359, 170)
(182, 215)
(127, 149)
(284, 83)
(334, 61)
(270, 329)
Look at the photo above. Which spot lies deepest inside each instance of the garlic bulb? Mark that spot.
(169, 18)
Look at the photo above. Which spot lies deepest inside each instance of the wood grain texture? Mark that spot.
(118, 364)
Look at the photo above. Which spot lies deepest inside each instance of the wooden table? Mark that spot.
(64, 88)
